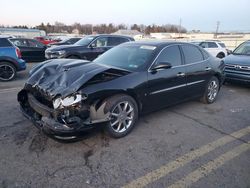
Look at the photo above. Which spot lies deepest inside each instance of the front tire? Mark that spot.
(212, 90)
(7, 71)
(123, 113)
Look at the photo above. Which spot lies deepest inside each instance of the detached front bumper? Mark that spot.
(46, 119)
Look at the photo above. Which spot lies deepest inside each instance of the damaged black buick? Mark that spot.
(64, 97)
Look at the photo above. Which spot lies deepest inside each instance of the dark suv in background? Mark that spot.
(10, 60)
(89, 47)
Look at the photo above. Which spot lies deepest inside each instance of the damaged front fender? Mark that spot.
(98, 115)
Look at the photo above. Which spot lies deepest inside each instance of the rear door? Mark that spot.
(167, 86)
(198, 70)
(36, 50)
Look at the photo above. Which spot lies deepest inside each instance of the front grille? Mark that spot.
(238, 67)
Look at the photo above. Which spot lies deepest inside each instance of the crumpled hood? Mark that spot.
(238, 60)
(62, 76)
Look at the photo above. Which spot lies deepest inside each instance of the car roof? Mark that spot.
(22, 38)
(4, 37)
(156, 43)
(108, 35)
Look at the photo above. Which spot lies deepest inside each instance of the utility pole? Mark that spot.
(180, 28)
(217, 29)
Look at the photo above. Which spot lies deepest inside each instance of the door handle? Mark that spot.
(208, 68)
(180, 74)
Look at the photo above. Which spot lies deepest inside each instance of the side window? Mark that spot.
(212, 45)
(101, 42)
(204, 45)
(73, 40)
(192, 54)
(35, 44)
(19, 42)
(114, 41)
(170, 55)
(4, 43)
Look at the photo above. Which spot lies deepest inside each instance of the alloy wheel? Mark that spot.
(122, 116)
(7, 72)
(212, 90)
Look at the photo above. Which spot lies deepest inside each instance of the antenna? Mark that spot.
(217, 29)
(180, 28)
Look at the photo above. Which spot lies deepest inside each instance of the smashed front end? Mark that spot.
(52, 97)
(63, 118)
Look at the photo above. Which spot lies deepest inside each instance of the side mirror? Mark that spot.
(161, 65)
(92, 45)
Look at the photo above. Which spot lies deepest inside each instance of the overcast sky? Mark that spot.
(234, 15)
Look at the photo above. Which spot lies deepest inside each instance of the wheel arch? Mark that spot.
(219, 77)
(8, 61)
(99, 101)
(221, 53)
(74, 54)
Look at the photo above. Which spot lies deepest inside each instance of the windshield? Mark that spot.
(127, 57)
(243, 49)
(84, 41)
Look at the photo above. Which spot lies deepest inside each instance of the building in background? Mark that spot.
(18, 32)
(129, 32)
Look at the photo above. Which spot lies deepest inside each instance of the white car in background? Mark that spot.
(215, 48)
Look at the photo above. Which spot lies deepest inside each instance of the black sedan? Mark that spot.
(238, 64)
(88, 48)
(31, 50)
(65, 97)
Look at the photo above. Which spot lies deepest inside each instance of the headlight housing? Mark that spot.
(61, 52)
(67, 101)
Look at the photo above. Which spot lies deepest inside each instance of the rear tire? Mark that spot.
(7, 71)
(212, 90)
(124, 115)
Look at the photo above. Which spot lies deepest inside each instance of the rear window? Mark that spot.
(113, 41)
(5, 43)
(19, 42)
(212, 45)
(192, 54)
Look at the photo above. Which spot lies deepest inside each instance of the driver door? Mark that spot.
(97, 47)
(167, 86)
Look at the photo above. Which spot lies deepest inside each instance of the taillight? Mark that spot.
(18, 53)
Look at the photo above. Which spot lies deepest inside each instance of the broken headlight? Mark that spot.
(68, 101)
